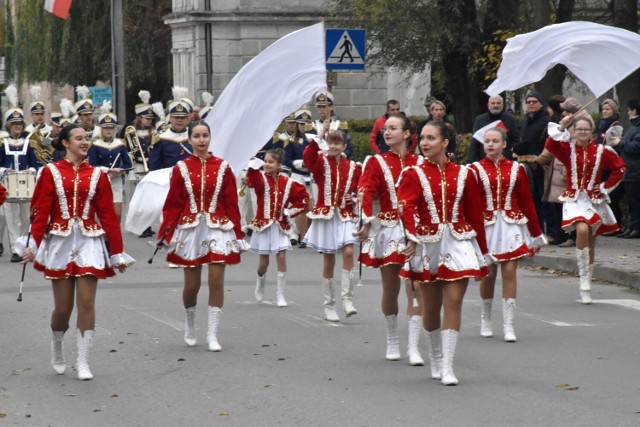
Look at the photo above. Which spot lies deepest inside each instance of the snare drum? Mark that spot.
(20, 186)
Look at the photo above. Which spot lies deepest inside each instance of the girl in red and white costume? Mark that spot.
(278, 199)
(201, 225)
(72, 253)
(446, 242)
(382, 233)
(585, 201)
(334, 217)
(511, 226)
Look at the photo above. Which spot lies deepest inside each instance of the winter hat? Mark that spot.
(571, 105)
(534, 94)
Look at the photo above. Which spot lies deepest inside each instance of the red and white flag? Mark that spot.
(59, 8)
(479, 134)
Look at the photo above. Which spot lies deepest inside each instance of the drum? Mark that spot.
(20, 186)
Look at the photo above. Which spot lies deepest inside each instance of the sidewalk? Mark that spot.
(617, 260)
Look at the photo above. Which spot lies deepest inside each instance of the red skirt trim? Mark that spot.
(74, 270)
(394, 258)
(445, 274)
(209, 258)
(521, 252)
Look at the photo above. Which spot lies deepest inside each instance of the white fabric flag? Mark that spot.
(148, 200)
(599, 55)
(479, 134)
(268, 88)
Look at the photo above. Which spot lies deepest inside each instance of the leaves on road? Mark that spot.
(568, 387)
(223, 414)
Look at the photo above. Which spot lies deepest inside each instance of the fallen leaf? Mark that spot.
(223, 413)
(70, 395)
(572, 388)
(113, 351)
(97, 410)
(281, 359)
(265, 345)
(181, 360)
(114, 395)
(256, 354)
(623, 257)
(267, 385)
(2, 415)
(563, 385)
(121, 342)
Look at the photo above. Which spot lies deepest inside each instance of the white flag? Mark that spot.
(268, 88)
(599, 55)
(479, 134)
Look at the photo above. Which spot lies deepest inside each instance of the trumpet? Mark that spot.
(133, 143)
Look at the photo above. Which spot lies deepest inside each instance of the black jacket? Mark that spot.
(476, 151)
(533, 134)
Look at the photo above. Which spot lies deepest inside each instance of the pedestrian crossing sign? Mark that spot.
(345, 49)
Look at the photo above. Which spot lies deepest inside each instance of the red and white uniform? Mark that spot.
(586, 196)
(278, 199)
(3, 194)
(334, 215)
(511, 223)
(201, 220)
(71, 243)
(440, 213)
(386, 239)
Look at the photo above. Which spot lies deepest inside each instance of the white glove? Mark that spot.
(298, 164)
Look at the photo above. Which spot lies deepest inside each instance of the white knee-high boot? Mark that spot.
(393, 339)
(280, 285)
(260, 282)
(449, 342)
(330, 312)
(413, 345)
(82, 364)
(57, 352)
(434, 347)
(215, 315)
(585, 275)
(190, 326)
(347, 292)
(485, 318)
(508, 312)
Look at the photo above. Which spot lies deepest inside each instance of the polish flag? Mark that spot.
(479, 134)
(59, 8)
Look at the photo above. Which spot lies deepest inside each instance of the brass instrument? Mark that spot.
(44, 152)
(242, 191)
(134, 145)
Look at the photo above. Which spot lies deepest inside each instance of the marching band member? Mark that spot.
(84, 110)
(201, 224)
(72, 210)
(334, 215)
(511, 226)
(446, 242)
(3, 195)
(585, 201)
(16, 155)
(382, 234)
(39, 132)
(325, 107)
(172, 144)
(278, 199)
(299, 173)
(207, 98)
(111, 155)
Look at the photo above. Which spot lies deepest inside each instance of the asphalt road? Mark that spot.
(573, 365)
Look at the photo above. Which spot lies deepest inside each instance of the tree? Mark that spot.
(625, 15)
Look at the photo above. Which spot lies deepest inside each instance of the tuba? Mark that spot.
(133, 143)
(43, 150)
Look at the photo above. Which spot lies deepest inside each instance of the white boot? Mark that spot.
(215, 313)
(508, 310)
(259, 292)
(449, 341)
(434, 347)
(585, 275)
(190, 326)
(485, 318)
(393, 340)
(57, 352)
(280, 285)
(413, 346)
(347, 292)
(82, 364)
(330, 312)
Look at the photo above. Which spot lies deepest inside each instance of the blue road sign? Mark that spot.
(345, 49)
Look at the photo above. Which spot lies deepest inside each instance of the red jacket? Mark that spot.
(434, 197)
(201, 186)
(335, 180)
(3, 195)
(277, 200)
(504, 189)
(377, 129)
(64, 194)
(379, 177)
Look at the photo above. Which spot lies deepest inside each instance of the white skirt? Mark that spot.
(383, 246)
(507, 241)
(117, 187)
(330, 235)
(74, 255)
(204, 245)
(598, 216)
(448, 259)
(270, 240)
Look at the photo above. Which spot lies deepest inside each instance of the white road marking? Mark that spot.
(551, 322)
(175, 325)
(626, 303)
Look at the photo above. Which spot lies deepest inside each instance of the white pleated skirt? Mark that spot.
(330, 235)
(507, 241)
(384, 246)
(599, 216)
(271, 240)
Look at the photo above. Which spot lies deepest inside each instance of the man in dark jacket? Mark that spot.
(533, 134)
(629, 149)
(495, 107)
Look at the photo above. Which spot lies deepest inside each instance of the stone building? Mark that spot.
(212, 40)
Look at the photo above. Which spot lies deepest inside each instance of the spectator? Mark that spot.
(378, 146)
(495, 111)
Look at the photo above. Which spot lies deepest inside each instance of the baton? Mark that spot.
(360, 197)
(406, 240)
(24, 266)
(159, 244)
